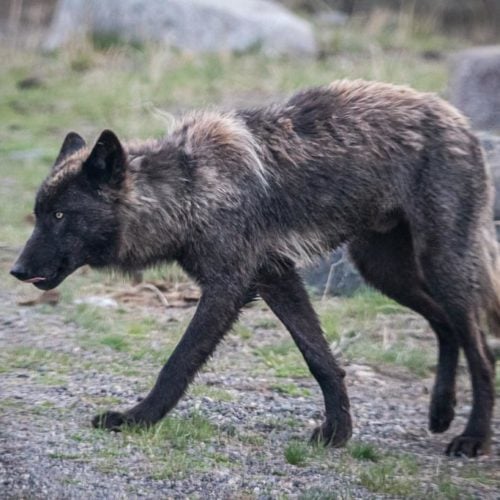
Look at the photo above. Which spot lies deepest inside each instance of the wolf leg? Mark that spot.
(387, 261)
(451, 277)
(283, 291)
(216, 312)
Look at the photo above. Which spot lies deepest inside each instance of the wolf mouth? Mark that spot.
(48, 282)
(36, 279)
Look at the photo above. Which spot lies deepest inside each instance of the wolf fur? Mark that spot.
(237, 198)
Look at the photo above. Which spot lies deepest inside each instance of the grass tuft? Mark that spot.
(323, 494)
(394, 475)
(297, 453)
(116, 342)
(364, 451)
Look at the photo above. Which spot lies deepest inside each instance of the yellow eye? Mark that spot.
(59, 215)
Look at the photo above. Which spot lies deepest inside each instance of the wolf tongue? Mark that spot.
(36, 279)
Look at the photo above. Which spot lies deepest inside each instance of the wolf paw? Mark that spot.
(468, 446)
(334, 433)
(441, 415)
(110, 420)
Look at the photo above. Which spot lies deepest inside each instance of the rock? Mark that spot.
(98, 301)
(189, 25)
(475, 86)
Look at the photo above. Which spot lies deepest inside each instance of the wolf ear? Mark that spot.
(72, 143)
(106, 162)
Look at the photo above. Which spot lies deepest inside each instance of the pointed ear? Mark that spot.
(72, 143)
(106, 163)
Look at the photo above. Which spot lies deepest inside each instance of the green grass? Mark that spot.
(367, 304)
(116, 342)
(179, 433)
(446, 489)
(138, 339)
(142, 328)
(326, 494)
(284, 359)
(356, 325)
(396, 475)
(172, 449)
(33, 358)
(266, 324)
(389, 33)
(120, 328)
(215, 393)
(297, 453)
(364, 451)
(91, 318)
(291, 389)
(168, 273)
(254, 440)
(331, 325)
(418, 360)
(242, 331)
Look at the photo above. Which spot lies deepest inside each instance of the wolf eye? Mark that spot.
(58, 215)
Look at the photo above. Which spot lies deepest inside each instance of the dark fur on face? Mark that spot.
(236, 198)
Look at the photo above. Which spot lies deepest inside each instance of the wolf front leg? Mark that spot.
(217, 310)
(282, 289)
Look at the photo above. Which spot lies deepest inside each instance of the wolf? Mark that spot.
(238, 198)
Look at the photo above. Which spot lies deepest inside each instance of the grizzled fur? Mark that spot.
(237, 198)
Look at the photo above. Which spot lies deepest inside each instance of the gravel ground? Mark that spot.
(48, 450)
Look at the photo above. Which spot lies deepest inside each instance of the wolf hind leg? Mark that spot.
(454, 273)
(283, 291)
(387, 261)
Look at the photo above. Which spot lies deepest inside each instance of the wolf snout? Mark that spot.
(19, 272)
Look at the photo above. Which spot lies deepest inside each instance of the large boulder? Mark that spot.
(475, 86)
(336, 275)
(189, 25)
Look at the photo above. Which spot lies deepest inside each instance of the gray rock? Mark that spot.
(475, 86)
(189, 25)
(98, 301)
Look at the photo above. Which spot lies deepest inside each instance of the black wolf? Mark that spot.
(238, 197)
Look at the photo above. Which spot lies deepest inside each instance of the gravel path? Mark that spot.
(48, 450)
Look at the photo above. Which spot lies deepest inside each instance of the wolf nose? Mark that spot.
(18, 272)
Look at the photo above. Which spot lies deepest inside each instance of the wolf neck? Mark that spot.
(149, 218)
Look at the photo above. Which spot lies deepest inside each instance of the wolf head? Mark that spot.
(76, 212)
